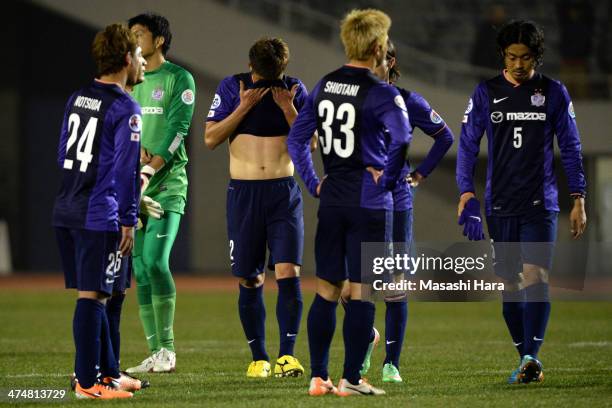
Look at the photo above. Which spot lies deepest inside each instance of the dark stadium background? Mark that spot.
(46, 57)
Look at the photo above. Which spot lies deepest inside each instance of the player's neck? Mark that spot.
(118, 78)
(154, 61)
(369, 63)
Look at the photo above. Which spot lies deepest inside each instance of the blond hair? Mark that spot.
(362, 30)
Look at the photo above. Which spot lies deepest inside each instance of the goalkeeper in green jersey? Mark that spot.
(167, 100)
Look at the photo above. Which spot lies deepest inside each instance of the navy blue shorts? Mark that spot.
(261, 212)
(90, 259)
(340, 232)
(535, 232)
(123, 276)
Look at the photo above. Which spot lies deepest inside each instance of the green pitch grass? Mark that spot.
(455, 354)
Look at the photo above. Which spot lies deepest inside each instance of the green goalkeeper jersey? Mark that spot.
(167, 99)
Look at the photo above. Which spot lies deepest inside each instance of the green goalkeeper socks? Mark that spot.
(164, 319)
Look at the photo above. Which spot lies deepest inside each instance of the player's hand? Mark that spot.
(145, 177)
(471, 220)
(462, 200)
(376, 174)
(151, 208)
(127, 240)
(319, 186)
(414, 178)
(251, 97)
(578, 218)
(284, 97)
(145, 156)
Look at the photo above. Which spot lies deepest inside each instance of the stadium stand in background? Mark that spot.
(435, 34)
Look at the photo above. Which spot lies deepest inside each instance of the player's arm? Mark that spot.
(125, 171)
(568, 139)
(285, 99)
(432, 124)
(472, 130)
(223, 119)
(299, 144)
(392, 112)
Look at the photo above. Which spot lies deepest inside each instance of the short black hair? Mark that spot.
(522, 32)
(394, 73)
(157, 25)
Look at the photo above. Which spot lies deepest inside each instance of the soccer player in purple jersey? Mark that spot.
(521, 111)
(363, 129)
(253, 111)
(421, 116)
(96, 208)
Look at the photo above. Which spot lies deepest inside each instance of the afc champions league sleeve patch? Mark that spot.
(216, 102)
(434, 117)
(399, 101)
(470, 106)
(570, 110)
(187, 97)
(135, 123)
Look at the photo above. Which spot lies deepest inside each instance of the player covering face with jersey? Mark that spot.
(254, 111)
(521, 111)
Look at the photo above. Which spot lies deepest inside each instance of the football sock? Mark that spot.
(321, 326)
(163, 307)
(396, 317)
(513, 309)
(252, 313)
(288, 313)
(108, 361)
(158, 243)
(86, 329)
(357, 330)
(535, 317)
(113, 313)
(145, 311)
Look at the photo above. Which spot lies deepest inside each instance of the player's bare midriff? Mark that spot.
(259, 158)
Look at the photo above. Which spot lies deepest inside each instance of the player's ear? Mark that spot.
(128, 58)
(159, 41)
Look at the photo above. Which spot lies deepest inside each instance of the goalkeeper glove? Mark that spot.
(145, 176)
(151, 208)
(472, 221)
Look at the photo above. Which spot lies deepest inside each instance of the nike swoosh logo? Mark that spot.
(349, 386)
(475, 218)
(517, 344)
(536, 339)
(161, 236)
(391, 342)
(168, 328)
(150, 337)
(291, 334)
(97, 394)
(495, 100)
(250, 341)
